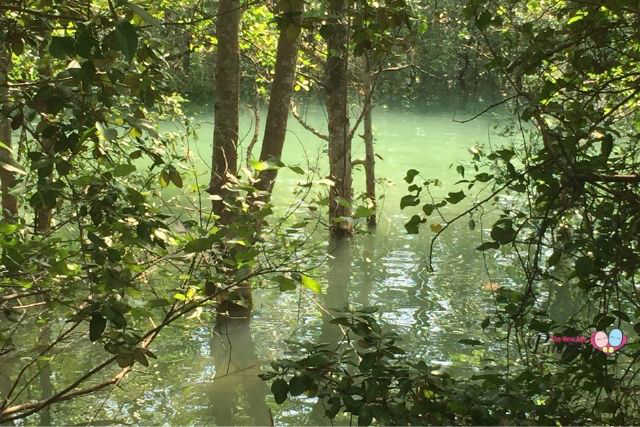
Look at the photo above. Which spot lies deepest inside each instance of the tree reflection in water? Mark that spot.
(337, 298)
(236, 388)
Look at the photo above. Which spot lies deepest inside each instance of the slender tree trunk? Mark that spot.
(340, 194)
(279, 100)
(224, 160)
(7, 177)
(186, 59)
(44, 214)
(369, 161)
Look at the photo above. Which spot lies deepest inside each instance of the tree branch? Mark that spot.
(490, 107)
(304, 124)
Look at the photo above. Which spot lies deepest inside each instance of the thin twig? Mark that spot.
(490, 107)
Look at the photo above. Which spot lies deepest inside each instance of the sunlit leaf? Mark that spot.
(310, 284)
(436, 228)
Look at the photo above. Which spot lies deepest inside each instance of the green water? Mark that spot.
(208, 376)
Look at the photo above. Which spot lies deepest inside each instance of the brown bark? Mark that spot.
(224, 160)
(7, 177)
(340, 194)
(279, 100)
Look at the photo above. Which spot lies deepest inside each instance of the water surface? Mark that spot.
(207, 373)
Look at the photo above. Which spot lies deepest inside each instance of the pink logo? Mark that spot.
(608, 344)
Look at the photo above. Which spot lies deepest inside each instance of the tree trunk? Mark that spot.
(44, 214)
(186, 59)
(369, 161)
(279, 100)
(340, 194)
(224, 160)
(7, 177)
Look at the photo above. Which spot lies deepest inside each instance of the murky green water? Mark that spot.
(207, 374)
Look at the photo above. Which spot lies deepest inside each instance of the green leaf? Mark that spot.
(411, 174)
(297, 169)
(363, 212)
(409, 200)
(123, 170)
(260, 166)
(606, 146)
(413, 225)
(286, 283)
(110, 134)
(127, 38)
(310, 284)
(604, 322)
(469, 341)
(584, 267)
(298, 385)
(483, 177)
(280, 388)
(175, 177)
(484, 20)
(114, 316)
(61, 47)
(97, 326)
(488, 245)
(503, 232)
(146, 16)
(140, 357)
(455, 197)
(577, 17)
(84, 41)
(198, 245)
(49, 100)
(485, 322)
(125, 359)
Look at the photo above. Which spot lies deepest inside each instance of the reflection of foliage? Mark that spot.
(368, 375)
(363, 375)
(567, 193)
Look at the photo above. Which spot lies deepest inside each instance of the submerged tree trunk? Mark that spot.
(340, 194)
(335, 301)
(237, 367)
(7, 177)
(224, 161)
(279, 100)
